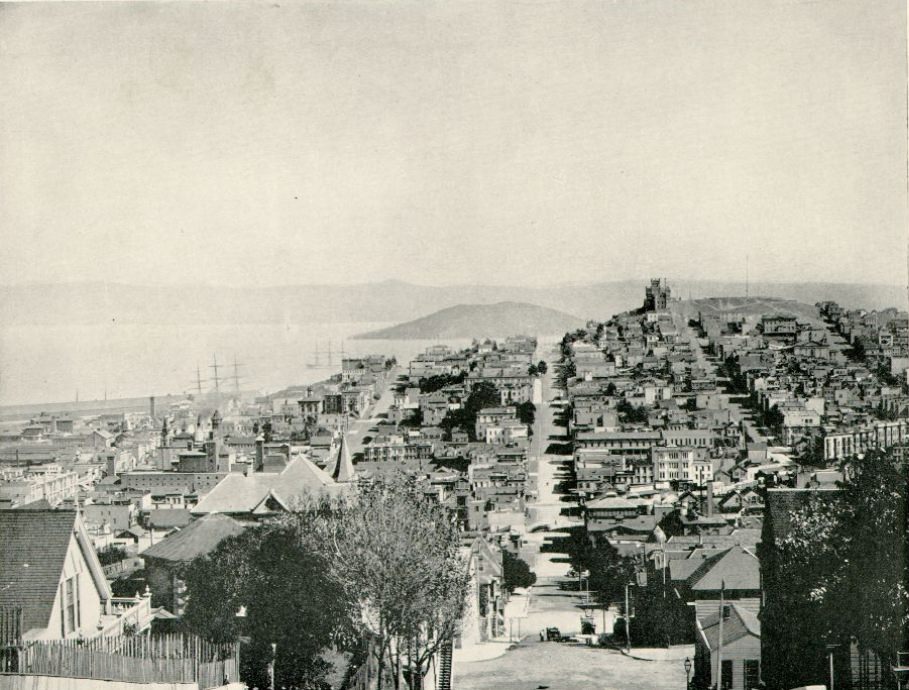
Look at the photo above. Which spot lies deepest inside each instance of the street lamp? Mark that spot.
(831, 648)
(687, 673)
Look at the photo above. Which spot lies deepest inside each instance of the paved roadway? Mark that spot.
(358, 429)
(555, 601)
(739, 414)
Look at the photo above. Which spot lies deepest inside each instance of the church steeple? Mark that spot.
(343, 470)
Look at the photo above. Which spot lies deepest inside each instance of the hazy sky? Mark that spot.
(439, 142)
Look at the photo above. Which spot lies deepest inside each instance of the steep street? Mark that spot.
(555, 600)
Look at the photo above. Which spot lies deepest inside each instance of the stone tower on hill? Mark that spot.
(657, 295)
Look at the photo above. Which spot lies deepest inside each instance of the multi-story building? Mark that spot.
(50, 482)
(677, 463)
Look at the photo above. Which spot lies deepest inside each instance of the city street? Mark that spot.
(358, 429)
(738, 413)
(556, 602)
(564, 666)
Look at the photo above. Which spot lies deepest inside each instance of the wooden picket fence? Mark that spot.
(10, 637)
(173, 658)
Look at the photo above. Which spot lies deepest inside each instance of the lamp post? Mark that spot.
(831, 648)
(687, 673)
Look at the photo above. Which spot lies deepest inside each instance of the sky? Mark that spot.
(526, 142)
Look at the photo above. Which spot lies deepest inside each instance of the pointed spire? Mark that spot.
(343, 470)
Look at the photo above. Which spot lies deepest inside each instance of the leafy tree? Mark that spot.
(516, 572)
(396, 559)
(542, 367)
(112, 554)
(276, 572)
(814, 452)
(844, 564)
(773, 418)
(527, 412)
(631, 413)
(437, 382)
(483, 394)
(566, 370)
(532, 370)
(415, 419)
(609, 573)
(858, 350)
(873, 529)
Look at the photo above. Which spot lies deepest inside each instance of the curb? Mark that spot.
(613, 646)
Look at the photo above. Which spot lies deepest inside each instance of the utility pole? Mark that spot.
(719, 647)
(627, 621)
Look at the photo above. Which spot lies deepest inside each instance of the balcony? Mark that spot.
(128, 615)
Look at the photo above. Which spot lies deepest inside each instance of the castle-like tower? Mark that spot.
(657, 295)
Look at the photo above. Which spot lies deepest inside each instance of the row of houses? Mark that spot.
(694, 433)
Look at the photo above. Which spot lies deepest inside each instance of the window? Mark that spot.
(726, 681)
(70, 605)
(752, 673)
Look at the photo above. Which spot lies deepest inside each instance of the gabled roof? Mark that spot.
(735, 569)
(481, 547)
(197, 539)
(237, 493)
(612, 503)
(641, 524)
(33, 548)
(740, 623)
(682, 569)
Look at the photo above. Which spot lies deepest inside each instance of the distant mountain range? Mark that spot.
(385, 302)
(481, 320)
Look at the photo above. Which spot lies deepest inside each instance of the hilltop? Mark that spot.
(385, 302)
(481, 320)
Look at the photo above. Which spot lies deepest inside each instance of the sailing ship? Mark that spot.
(329, 363)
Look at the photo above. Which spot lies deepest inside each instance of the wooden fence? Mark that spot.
(10, 637)
(172, 658)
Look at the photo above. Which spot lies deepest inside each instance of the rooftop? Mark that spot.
(197, 539)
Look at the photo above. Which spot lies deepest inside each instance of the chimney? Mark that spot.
(111, 459)
(260, 453)
(709, 499)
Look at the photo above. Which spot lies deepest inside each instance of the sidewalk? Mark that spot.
(482, 651)
(675, 653)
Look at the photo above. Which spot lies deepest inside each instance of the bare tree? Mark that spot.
(396, 556)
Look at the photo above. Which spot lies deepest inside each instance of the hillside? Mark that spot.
(385, 302)
(481, 320)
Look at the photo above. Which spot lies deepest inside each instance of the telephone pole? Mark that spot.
(719, 647)
(627, 621)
